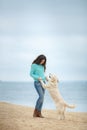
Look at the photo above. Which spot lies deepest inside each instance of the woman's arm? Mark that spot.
(32, 72)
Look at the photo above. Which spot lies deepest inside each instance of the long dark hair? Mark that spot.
(39, 59)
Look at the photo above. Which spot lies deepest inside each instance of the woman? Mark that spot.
(37, 71)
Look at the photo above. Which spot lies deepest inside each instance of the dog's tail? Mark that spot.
(70, 106)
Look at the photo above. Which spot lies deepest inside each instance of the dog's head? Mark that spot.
(53, 78)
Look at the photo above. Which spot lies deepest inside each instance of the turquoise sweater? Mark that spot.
(37, 71)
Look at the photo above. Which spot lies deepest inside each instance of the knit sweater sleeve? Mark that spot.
(32, 72)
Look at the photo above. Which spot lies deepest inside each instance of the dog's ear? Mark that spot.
(56, 78)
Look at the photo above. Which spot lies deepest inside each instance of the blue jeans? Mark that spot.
(41, 92)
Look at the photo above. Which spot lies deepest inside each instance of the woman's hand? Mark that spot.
(39, 78)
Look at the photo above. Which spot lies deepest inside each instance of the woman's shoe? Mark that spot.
(40, 115)
(37, 114)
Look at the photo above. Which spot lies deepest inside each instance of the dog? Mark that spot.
(52, 87)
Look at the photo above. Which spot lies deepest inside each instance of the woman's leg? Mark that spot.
(41, 92)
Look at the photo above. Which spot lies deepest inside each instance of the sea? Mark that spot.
(24, 93)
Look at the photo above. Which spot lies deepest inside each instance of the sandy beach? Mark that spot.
(17, 117)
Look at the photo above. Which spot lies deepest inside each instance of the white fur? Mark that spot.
(52, 87)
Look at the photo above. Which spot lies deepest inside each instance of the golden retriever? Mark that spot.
(52, 87)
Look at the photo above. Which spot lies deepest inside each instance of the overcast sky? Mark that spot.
(55, 28)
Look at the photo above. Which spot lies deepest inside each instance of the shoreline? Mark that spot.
(46, 107)
(19, 117)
